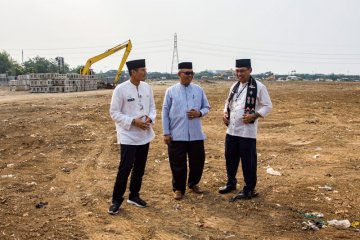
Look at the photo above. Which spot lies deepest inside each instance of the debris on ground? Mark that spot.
(314, 215)
(271, 171)
(326, 187)
(339, 223)
(313, 225)
(355, 224)
(41, 204)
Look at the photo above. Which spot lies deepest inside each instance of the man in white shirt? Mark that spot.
(133, 111)
(248, 100)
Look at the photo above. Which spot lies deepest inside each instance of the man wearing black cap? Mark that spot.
(248, 100)
(133, 110)
(184, 105)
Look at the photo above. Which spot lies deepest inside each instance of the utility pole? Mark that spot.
(175, 52)
(22, 56)
(61, 64)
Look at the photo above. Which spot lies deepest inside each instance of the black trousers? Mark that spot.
(237, 148)
(178, 153)
(133, 157)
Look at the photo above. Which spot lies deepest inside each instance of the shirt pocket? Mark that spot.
(197, 102)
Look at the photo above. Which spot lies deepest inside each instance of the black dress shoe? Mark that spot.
(243, 195)
(227, 189)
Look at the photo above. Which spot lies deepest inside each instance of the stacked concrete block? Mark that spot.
(4, 81)
(21, 84)
(55, 82)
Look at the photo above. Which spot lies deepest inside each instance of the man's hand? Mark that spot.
(167, 139)
(193, 114)
(248, 118)
(140, 123)
(147, 119)
(226, 118)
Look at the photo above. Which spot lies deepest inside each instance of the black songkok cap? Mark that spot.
(187, 65)
(243, 63)
(140, 63)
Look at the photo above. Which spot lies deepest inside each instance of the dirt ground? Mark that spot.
(61, 149)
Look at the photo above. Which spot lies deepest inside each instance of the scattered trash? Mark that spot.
(177, 206)
(8, 176)
(316, 156)
(341, 211)
(10, 165)
(318, 149)
(31, 183)
(314, 215)
(327, 188)
(66, 170)
(230, 236)
(355, 224)
(314, 225)
(41, 204)
(271, 171)
(339, 223)
(328, 198)
(309, 225)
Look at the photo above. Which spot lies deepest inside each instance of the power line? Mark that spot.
(87, 47)
(268, 54)
(266, 50)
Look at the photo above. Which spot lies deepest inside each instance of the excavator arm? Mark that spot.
(127, 45)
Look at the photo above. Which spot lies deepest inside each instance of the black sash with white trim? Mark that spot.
(251, 95)
(250, 100)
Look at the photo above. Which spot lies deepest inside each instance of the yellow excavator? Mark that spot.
(127, 45)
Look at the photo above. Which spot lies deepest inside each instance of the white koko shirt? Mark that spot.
(129, 102)
(263, 106)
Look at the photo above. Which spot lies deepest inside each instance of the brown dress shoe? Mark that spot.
(197, 189)
(178, 195)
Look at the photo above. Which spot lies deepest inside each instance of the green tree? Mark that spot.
(41, 65)
(5, 63)
(76, 69)
(9, 66)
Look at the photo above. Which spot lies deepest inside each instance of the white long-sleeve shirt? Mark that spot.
(263, 106)
(129, 102)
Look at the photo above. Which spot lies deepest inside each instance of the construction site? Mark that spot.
(59, 159)
(296, 64)
(62, 82)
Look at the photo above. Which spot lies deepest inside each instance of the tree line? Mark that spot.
(42, 65)
(34, 65)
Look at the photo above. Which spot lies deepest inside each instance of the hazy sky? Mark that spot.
(313, 36)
